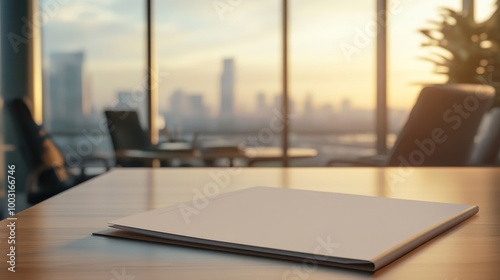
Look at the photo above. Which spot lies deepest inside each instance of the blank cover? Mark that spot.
(353, 231)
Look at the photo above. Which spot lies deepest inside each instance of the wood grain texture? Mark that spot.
(54, 241)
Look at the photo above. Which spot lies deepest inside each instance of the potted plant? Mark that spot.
(465, 50)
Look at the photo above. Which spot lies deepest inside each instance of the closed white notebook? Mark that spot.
(360, 232)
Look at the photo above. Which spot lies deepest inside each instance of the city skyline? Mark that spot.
(198, 39)
(184, 107)
(189, 111)
(190, 59)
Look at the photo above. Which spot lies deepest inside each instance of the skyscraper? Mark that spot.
(308, 107)
(66, 91)
(186, 105)
(196, 105)
(261, 105)
(177, 106)
(345, 105)
(227, 89)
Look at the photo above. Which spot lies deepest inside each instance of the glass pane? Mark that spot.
(221, 62)
(93, 58)
(407, 70)
(332, 78)
(484, 9)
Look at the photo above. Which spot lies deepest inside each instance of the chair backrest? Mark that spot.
(125, 130)
(441, 127)
(487, 149)
(39, 149)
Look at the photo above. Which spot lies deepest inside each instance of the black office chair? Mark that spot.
(486, 151)
(440, 130)
(49, 172)
(127, 134)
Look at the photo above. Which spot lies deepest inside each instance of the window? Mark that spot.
(219, 69)
(407, 71)
(219, 63)
(332, 78)
(93, 58)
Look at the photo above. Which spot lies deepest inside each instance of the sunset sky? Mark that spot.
(193, 37)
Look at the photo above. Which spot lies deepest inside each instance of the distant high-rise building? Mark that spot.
(227, 89)
(261, 105)
(346, 105)
(196, 106)
(66, 91)
(176, 102)
(186, 106)
(308, 106)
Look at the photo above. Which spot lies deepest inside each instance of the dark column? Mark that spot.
(381, 125)
(284, 99)
(152, 75)
(16, 79)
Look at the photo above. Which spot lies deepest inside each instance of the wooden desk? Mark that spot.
(54, 238)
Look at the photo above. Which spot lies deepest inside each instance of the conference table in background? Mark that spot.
(54, 239)
(251, 155)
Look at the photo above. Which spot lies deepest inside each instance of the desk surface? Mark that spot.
(54, 238)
